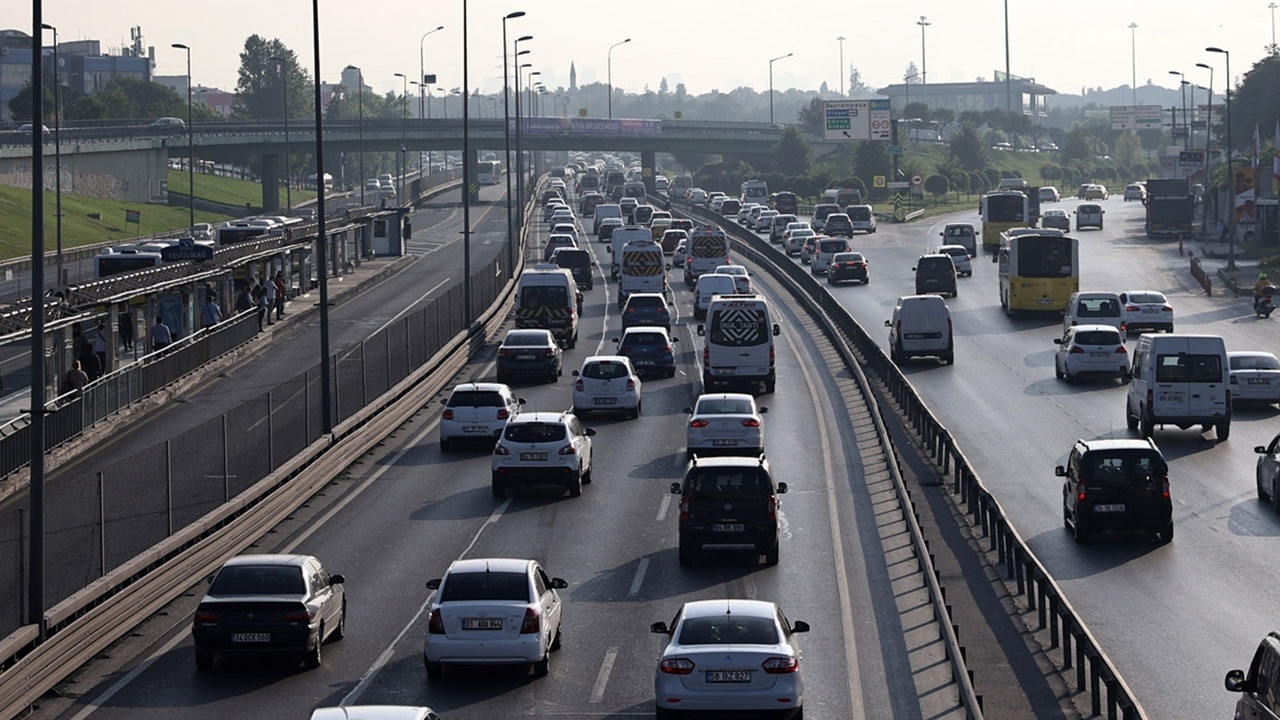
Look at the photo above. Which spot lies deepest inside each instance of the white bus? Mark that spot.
(109, 262)
(489, 172)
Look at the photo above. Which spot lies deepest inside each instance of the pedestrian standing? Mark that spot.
(269, 299)
(259, 298)
(75, 380)
(210, 314)
(98, 336)
(161, 337)
(126, 327)
(89, 361)
(278, 281)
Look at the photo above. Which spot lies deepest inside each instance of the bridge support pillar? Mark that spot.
(270, 182)
(473, 190)
(647, 165)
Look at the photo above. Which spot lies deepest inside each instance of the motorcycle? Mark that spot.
(1264, 303)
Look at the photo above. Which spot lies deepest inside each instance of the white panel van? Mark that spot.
(738, 349)
(1181, 380)
(921, 327)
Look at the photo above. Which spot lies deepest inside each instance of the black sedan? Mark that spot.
(649, 349)
(269, 604)
(847, 266)
(646, 309)
(530, 352)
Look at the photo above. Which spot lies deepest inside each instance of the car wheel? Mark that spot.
(635, 413)
(1068, 377)
(1079, 533)
(313, 657)
(1224, 431)
(340, 631)
(830, 280)
(1130, 419)
(671, 373)
(555, 641)
(685, 555)
(542, 668)
(575, 488)
(1125, 377)
(771, 555)
(1263, 495)
(1274, 497)
(445, 445)
(770, 385)
(661, 713)
(1165, 535)
(1057, 371)
(1148, 425)
(499, 489)
(204, 660)
(866, 280)
(587, 476)
(949, 359)
(435, 670)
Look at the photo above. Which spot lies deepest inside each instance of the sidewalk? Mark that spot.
(1214, 259)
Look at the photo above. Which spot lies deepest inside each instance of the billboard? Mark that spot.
(845, 120)
(588, 126)
(1136, 117)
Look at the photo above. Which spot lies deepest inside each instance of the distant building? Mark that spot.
(1023, 95)
(573, 76)
(82, 65)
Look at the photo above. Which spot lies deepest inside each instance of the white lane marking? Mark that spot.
(663, 507)
(858, 710)
(406, 309)
(639, 579)
(597, 693)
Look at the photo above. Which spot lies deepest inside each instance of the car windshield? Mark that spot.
(534, 432)
(848, 257)
(527, 339)
(259, 580)
(1098, 337)
(1254, 362)
(723, 406)
(1147, 298)
(726, 629)
(476, 398)
(485, 585)
(714, 483)
(605, 370)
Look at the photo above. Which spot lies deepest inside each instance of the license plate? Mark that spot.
(250, 637)
(475, 428)
(728, 676)
(524, 357)
(1114, 507)
(1259, 381)
(606, 401)
(1149, 311)
(533, 456)
(646, 363)
(724, 443)
(482, 623)
(727, 527)
(1099, 354)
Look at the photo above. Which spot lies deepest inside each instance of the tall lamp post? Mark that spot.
(771, 62)
(322, 238)
(404, 129)
(1133, 58)
(191, 147)
(1186, 140)
(520, 115)
(1008, 86)
(1272, 7)
(415, 83)
(924, 65)
(57, 149)
(609, 57)
(841, 41)
(35, 573)
(288, 156)
(1208, 131)
(1230, 220)
(506, 132)
(468, 168)
(360, 92)
(422, 70)
(530, 111)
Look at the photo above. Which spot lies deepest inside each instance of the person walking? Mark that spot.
(98, 337)
(161, 337)
(126, 327)
(269, 299)
(75, 380)
(278, 281)
(89, 361)
(210, 314)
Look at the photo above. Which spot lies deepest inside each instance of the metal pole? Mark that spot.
(924, 72)
(1208, 128)
(191, 145)
(609, 55)
(467, 167)
(506, 132)
(404, 131)
(771, 62)
(284, 93)
(1133, 49)
(1008, 88)
(1230, 218)
(322, 237)
(57, 150)
(35, 583)
(841, 41)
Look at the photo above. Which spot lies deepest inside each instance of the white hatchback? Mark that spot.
(1091, 350)
(476, 411)
(542, 448)
(607, 383)
(493, 611)
(742, 277)
(960, 257)
(729, 656)
(725, 424)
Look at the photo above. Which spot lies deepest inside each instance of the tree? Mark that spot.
(944, 117)
(1253, 99)
(1076, 146)
(856, 85)
(662, 87)
(916, 110)
(1128, 149)
(968, 149)
(937, 186)
(792, 155)
(912, 74)
(22, 105)
(812, 119)
(259, 93)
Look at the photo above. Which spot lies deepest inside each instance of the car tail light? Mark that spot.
(548, 353)
(1122, 351)
(578, 386)
(631, 384)
(299, 616)
(503, 414)
(1228, 398)
(773, 507)
(532, 623)
(568, 450)
(697, 423)
(630, 310)
(751, 422)
(1131, 308)
(1077, 350)
(781, 665)
(448, 414)
(505, 352)
(684, 507)
(772, 354)
(435, 625)
(500, 449)
(1167, 308)
(1164, 486)
(706, 356)
(204, 616)
(676, 666)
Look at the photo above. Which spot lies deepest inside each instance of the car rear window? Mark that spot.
(488, 585)
(1188, 368)
(723, 406)
(527, 339)
(1097, 307)
(728, 629)
(534, 432)
(1124, 470)
(259, 580)
(475, 398)
(858, 213)
(727, 483)
(605, 370)
(832, 246)
(645, 301)
(645, 338)
(1147, 298)
(935, 265)
(573, 258)
(1254, 362)
(1098, 337)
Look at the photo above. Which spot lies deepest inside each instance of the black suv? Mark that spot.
(1259, 699)
(1116, 485)
(577, 262)
(935, 273)
(728, 503)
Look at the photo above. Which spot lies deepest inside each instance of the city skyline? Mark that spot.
(705, 48)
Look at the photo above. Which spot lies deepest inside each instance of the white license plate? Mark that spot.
(727, 527)
(1149, 311)
(250, 637)
(606, 401)
(1114, 507)
(646, 363)
(524, 357)
(533, 456)
(475, 428)
(482, 623)
(1099, 354)
(728, 676)
(724, 443)
(1259, 381)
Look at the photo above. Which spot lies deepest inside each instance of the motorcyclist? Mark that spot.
(1262, 288)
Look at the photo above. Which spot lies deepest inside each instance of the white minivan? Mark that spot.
(738, 349)
(707, 287)
(824, 250)
(921, 327)
(1181, 380)
(1093, 308)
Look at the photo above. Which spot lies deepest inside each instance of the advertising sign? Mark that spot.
(588, 126)
(845, 120)
(1191, 159)
(1136, 117)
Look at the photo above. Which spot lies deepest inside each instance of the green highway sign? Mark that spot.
(894, 150)
(838, 123)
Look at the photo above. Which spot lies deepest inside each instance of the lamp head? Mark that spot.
(516, 14)
(1202, 65)
(522, 38)
(180, 46)
(47, 26)
(1216, 50)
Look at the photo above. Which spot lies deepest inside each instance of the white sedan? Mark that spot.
(741, 276)
(493, 611)
(1255, 376)
(1146, 309)
(729, 656)
(607, 383)
(725, 424)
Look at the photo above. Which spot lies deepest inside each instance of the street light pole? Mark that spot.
(841, 41)
(924, 65)
(519, 136)
(1231, 218)
(506, 132)
(288, 173)
(322, 238)
(35, 572)
(360, 126)
(468, 168)
(1133, 51)
(771, 62)
(57, 150)
(191, 147)
(609, 55)
(404, 129)
(1008, 87)
(1208, 129)
(422, 68)
(1186, 123)
(1274, 48)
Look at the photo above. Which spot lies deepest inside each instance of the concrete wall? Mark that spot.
(132, 175)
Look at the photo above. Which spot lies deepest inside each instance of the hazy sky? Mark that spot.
(706, 45)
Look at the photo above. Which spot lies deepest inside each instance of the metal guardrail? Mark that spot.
(90, 621)
(1095, 672)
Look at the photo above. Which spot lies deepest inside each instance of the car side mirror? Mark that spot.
(559, 583)
(615, 340)
(675, 488)
(336, 579)
(444, 401)
(913, 269)
(701, 330)
(675, 339)
(942, 234)
(689, 411)
(1260, 449)
(1056, 341)
(777, 329)
(521, 401)
(575, 372)
(995, 257)
(433, 584)
(1060, 471)
(888, 323)
(782, 488)
(659, 628)
(763, 410)
(800, 626)
(609, 249)
(1235, 681)
(589, 431)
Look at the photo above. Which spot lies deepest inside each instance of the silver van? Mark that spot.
(921, 327)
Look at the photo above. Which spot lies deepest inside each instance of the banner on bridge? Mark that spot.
(613, 127)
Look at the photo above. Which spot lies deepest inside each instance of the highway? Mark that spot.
(403, 513)
(1174, 618)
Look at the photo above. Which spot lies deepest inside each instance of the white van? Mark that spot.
(709, 285)
(1093, 308)
(708, 249)
(641, 269)
(862, 217)
(921, 326)
(823, 251)
(620, 237)
(1181, 380)
(738, 349)
(547, 297)
(605, 210)
(1089, 215)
